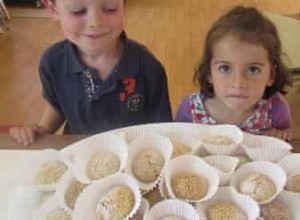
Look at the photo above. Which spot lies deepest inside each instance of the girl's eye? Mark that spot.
(253, 70)
(79, 12)
(224, 69)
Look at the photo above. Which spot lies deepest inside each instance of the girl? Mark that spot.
(241, 77)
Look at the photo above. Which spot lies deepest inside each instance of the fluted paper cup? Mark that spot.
(190, 143)
(142, 211)
(163, 188)
(106, 142)
(144, 142)
(291, 202)
(35, 173)
(50, 206)
(225, 166)
(68, 189)
(88, 201)
(259, 147)
(273, 171)
(195, 165)
(291, 165)
(230, 132)
(172, 207)
(228, 194)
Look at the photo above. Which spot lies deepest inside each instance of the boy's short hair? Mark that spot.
(249, 25)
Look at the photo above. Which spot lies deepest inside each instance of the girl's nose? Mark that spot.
(239, 80)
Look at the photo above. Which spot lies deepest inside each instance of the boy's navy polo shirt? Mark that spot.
(136, 91)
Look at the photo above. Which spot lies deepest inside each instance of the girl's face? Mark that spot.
(92, 25)
(240, 72)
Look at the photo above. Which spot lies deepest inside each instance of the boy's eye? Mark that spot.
(109, 9)
(224, 69)
(253, 70)
(79, 12)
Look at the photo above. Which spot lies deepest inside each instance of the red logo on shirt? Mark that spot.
(127, 88)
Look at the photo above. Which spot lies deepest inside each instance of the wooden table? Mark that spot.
(61, 141)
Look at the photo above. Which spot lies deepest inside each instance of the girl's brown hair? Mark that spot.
(249, 25)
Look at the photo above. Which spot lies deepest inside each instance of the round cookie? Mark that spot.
(50, 172)
(147, 165)
(274, 211)
(180, 149)
(172, 217)
(73, 191)
(118, 202)
(293, 183)
(225, 211)
(258, 186)
(190, 186)
(102, 164)
(218, 140)
(58, 214)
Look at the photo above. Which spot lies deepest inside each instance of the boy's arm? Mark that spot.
(183, 113)
(51, 119)
(158, 102)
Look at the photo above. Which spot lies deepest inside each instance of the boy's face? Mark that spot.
(240, 73)
(92, 25)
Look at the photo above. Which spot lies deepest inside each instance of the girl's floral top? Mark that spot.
(269, 113)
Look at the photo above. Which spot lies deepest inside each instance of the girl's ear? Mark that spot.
(272, 76)
(50, 5)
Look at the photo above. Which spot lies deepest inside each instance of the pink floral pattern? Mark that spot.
(260, 120)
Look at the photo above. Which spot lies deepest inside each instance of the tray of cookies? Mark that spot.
(163, 171)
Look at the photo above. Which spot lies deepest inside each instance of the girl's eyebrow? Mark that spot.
(258, 64)
(220, 61)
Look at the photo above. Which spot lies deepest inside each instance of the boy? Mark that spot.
(97, 79)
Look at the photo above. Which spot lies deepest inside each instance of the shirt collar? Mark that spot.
(128, 65)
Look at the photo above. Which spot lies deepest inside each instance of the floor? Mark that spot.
(173, 29)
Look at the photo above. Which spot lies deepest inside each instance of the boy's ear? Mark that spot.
(50, 5)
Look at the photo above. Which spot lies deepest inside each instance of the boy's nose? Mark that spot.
(95, 20)
(239, 80)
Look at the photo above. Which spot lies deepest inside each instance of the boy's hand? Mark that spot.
(26, 134)
(285, 134)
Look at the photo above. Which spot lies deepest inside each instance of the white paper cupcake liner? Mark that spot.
(273, 171)
(290, 163)
(230, 131)
(228, 194)
(225, 166)
(192, 164)
(259, 147)
(132, 133)
(24, 202)
(147, 141)
(88, 201)
(71, 150)
(292, 203)
(62, 188)
(50, 205)
(32, 168)
(185, 139)
(163, 188)
(172, 207)
(106, 142)
(142, 211)
(243, 159)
